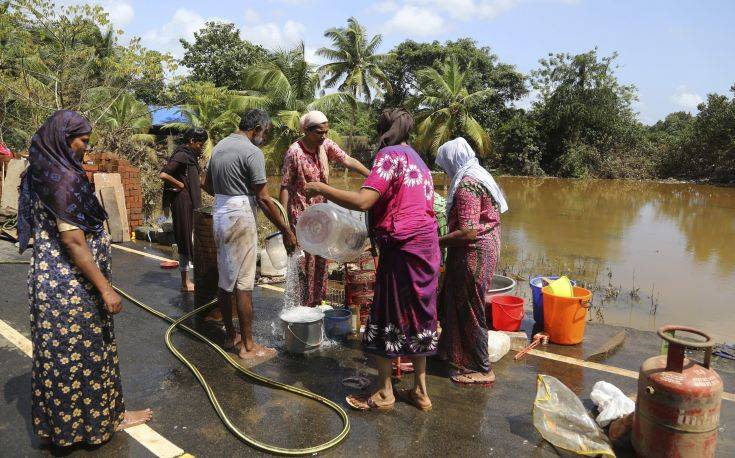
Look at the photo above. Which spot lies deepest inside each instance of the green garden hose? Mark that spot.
(259, 378)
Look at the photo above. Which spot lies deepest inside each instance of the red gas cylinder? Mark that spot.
(678, 407)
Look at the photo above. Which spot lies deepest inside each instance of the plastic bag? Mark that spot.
(611, 403)
(498, 345)
(561, 419)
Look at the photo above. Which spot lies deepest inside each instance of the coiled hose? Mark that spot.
(177, 323)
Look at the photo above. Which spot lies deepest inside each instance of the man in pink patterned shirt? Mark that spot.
(308, 160)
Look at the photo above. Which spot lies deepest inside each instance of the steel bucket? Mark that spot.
(301, 337)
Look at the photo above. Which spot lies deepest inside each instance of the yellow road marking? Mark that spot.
(539, 353)
(601, 367)
(271, 287)
(141, 253)
(144, 434)
(16, 338)
(154, 442)
(583, 363)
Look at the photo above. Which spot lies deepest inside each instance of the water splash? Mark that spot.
(293, 287)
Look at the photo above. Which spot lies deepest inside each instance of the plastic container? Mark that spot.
(500, 285)
(276, 251)
(266, 267)
(507, 312)
(498, 345)
(337, 323)
(565, 317)
(328, 231)
(561, 286)
(538, 299)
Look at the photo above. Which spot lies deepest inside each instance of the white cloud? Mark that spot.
(273, 36)
(415, 21)
(251, 16)
(469, 9)
(686, 99)
(312, 57)
(183, 24)
(460, 10)
(120, 14)
(388, 6)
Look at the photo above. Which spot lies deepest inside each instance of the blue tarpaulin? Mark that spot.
(164, 115)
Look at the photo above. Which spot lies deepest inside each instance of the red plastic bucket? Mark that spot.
(507, 312)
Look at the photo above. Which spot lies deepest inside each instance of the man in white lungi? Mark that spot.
(236, 177)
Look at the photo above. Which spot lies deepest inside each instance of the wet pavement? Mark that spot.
(467, 421)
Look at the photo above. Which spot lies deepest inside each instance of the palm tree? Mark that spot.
(128, 113)
(353, 62)
(446, 111)
(286, 85)
(117, 119)
(214, 109)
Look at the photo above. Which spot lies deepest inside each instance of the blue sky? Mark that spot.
(674, 51)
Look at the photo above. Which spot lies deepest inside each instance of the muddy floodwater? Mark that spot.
(653, 253)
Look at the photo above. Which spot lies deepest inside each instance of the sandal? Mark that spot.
(365, 402)
(474, 378)
(142, 417)
(409, 396)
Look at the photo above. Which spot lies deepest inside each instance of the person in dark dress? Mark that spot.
(76, 390)
(183, 193)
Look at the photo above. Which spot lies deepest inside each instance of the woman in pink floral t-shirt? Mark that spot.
(400, 196)
(308, 160)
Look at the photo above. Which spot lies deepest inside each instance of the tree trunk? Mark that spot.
(353, 125)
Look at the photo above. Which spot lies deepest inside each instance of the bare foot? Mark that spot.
(188, 287)
(135, 418)
(258, 351)
(231, 344)
(215, 315)
(414, 397)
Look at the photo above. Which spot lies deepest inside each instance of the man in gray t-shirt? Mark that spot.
(236, 177)
(236, 165)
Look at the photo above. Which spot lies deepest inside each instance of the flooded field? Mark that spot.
(654, 253)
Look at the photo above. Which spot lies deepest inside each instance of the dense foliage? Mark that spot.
(219, 56)
(581, 123)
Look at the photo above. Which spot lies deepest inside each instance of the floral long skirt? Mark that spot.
(314, 275)
(75, 380)
(402, 319)
(469, 274)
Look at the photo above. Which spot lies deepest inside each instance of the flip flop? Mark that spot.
(129, 424)
(408, 396)
(470, 379)
(169, 264)
(365, 402)
(356, 382)
(406, 367)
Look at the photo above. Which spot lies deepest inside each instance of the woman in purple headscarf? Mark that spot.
(76, 387)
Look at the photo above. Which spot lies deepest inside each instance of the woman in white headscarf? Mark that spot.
(474, 205)
(308, 160)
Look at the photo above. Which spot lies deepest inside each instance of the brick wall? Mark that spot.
(129, 176)
(206, 275)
